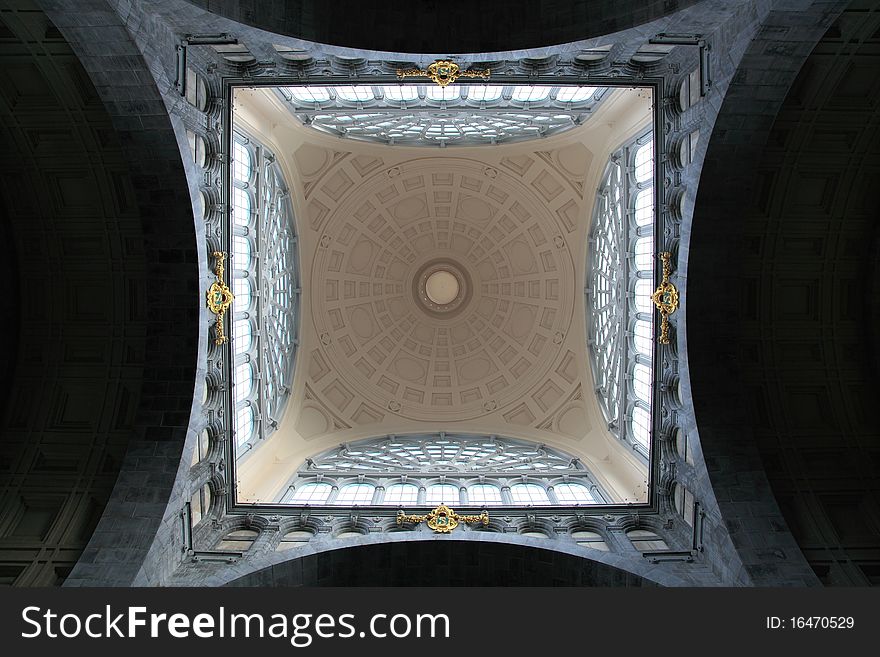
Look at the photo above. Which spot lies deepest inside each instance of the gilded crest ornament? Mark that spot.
(443, 72)
(219, 298)
(665, 298)
(443, 519)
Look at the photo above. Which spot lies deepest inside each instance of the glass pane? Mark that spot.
(241, 252)
(403, 92)
(641, 423)
(293, 539)
(528, 494)
(573, 494)
(242, 336)
(484, 494)
(241, 288)
(644, 207)
(643, 337)
(401, 494)
(642, 382)
(530, 93)
(487, 93)
(644, 289)
(355, 494)
(309, 494)
(241, 206)
(310, 94)
(436, 92)
(243, 382)
(244, 425)
(644, 162)
(644, 252)
(442, 494)
(357, 93)
(574, 94)
(241, 162)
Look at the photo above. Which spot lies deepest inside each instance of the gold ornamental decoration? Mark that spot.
(443, 72)
(443, 519)
(665, 298)
(219, 298)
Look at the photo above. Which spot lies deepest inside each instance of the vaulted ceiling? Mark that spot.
(509, 356)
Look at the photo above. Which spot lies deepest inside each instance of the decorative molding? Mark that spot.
(665, 298)
(443, 72)
(443, 519)
(219, 298)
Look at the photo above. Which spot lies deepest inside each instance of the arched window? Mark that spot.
(401, 494)
(311, 493)
(575, 94)
(245, 423)
(442, 494)
(529, 494)
(265, 284)
(567, 493)
(484, 494)
(294, 539)
(238, 540)
(646, 540)
(684, 503)
(401, 92)
(466, 114)
(203, 446)
(528, 93)
(485, 94)
(620, 281)
(200, 503)
(355, 494)
(451, 467)
(310, 94)
(354, 93)
(588, 539)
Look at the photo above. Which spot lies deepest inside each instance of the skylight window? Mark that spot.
(530, 93)
(403, 92)
(311, 94)
(443, 93)
(432, 115)
(486, 93)
(446, 465)
(263, 271)
(355, 93)
(621, 267)
(574, 94)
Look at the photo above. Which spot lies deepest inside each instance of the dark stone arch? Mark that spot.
(732, 325)
(447, 562)
(454, 27)
(805, 336)
(74, 278)
(161, 192)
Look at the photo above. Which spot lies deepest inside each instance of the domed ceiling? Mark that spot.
(442, 292)
(510, 276)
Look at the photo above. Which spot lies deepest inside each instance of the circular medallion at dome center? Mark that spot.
(442, 288)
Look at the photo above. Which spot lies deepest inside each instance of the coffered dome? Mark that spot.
(443, 288)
